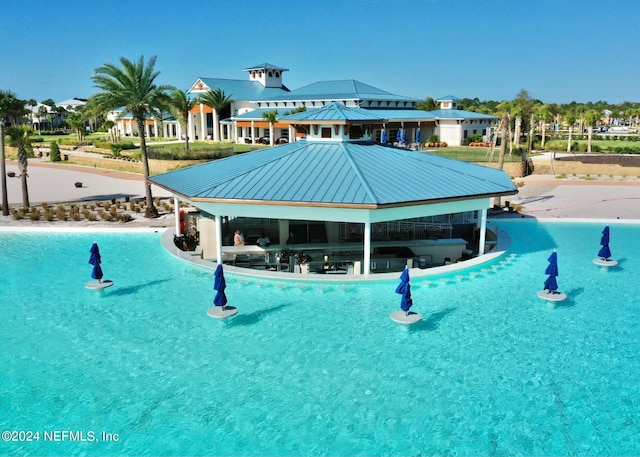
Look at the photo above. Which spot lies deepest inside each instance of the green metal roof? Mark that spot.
(336, 174)
(265, 66)
(457, 114)
(348, 89)
(334, 112)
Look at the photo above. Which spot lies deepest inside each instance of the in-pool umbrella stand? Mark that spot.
(604, 256)
(405, 316)
(550, 291)
(96, 273)
(220, 309)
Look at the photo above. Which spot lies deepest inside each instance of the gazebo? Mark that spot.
(366, 195)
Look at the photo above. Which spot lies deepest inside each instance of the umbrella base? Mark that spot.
(403, 318)
(552, 296)
(219, 313)
(97, 285)
(605, 262)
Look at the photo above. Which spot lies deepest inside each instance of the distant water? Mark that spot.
(319, 369)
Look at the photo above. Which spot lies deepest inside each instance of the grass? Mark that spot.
(473, 154)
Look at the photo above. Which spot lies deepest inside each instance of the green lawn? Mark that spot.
(473, 154)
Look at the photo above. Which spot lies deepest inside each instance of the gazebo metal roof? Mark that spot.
(338, 174)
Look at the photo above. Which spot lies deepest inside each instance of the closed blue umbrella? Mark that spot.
(95, 260)
(551, 284)
(383, 138)
(403, 136)
(418, 135)
(399, 136)
(404, 289)
(219, 285)
(605, 252)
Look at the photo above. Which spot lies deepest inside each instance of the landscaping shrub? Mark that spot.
(55, 152)
(474, 138)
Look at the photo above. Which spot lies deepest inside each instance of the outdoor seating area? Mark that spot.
(347, 258)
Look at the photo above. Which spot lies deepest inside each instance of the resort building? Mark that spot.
(337, 200)
(242, 120)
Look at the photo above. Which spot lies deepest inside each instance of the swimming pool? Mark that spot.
(320, 369)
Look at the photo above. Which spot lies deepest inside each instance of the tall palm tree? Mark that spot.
(570, 117)
(42, 113)
(520, 108)
(181, 107)
(32, 103)
(133, 87)
(543, 114)
(11, 108)
(271, 117)
(590, 119)
(504, 128)
(217, 100)
(19, 139)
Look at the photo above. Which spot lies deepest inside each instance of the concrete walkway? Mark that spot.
(55, 183)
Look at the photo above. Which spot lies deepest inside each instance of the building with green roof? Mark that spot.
(342, 194)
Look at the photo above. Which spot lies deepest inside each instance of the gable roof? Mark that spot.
(265, 66)
(347, 89)
(337, 174)
(240, 89)
(334, 112)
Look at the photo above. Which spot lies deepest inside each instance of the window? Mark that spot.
(355, 132)
(326, 132)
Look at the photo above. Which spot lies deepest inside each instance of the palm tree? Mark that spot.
(133, 87)
(428, 104)
(520, 108)
(271, 117)
(570, 117)
(10, 108)
(32, 103)
(543, 113)
(217, 100)
(19, 139)
(590, 119)
(504, 128)
(181, 107)
(76, 120)
(109, 125)
(42, 113)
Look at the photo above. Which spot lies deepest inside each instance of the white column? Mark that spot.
(155, 128)
(218, 222)
(189, 132)
(179, 131)
(176, 209)
(253, 133)
(483, 231)
(203, 123)
(283, 230)
(367, 248)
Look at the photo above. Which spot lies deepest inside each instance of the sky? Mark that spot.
(559, 51)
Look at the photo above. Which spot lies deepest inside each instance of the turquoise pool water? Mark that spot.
(319, 369)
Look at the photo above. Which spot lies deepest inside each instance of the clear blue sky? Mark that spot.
(560, 51)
